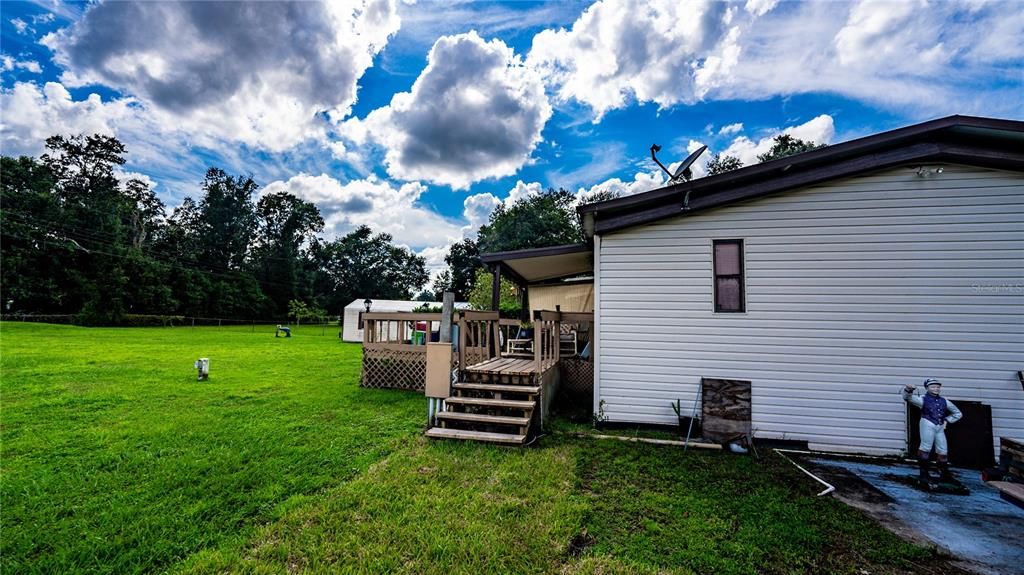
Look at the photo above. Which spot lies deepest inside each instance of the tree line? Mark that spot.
(76, 239)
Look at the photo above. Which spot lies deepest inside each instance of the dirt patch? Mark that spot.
(852, 486)
(579, 544)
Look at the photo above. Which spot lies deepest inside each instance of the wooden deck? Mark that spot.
(503, 392)
(511, 366)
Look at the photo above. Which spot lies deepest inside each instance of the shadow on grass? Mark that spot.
(573, 506)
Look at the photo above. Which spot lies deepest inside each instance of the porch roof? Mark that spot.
(540, 264)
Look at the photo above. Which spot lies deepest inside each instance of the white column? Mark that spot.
(596, 328)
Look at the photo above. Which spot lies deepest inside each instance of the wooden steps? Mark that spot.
(489, 437)
(531, 389)
(484, 418)
(484, 402)
(480, 409)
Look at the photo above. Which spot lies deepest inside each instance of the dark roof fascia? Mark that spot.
(673, 205)
(860, 146)
(933, 144)
(534, 253)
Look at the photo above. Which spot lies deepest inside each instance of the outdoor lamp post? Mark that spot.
(366, 303)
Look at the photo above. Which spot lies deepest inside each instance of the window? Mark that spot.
(728, 262)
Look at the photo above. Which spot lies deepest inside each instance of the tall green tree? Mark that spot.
(77, 239)
(785, 145)
(228, 220)
(144, 212)
(545, 219)
(720, 164)
(93, 210)
(287, 228)
(33, 265)
(480, 296)
(364, 265)
(463, 261)
(210, 242)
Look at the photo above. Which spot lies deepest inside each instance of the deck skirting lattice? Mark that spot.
(394, 369)
(577, 376)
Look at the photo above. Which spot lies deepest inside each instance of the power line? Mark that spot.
(227, 275)
(154, 254)
(111, 238)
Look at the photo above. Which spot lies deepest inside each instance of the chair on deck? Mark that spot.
(568, 342)
(522, 343)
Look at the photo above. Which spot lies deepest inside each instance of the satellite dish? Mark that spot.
(683, 172)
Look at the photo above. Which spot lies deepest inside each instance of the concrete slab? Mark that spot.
(984, 531)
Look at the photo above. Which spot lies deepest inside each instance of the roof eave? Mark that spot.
(917, 153)
(983, 142)
(861, 146)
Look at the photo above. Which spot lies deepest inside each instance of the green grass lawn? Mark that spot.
(114, 460)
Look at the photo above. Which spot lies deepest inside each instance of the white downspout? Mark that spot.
(596, 338)
(829, 488)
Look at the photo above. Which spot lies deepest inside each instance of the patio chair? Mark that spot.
(568, 343)
(521, 343)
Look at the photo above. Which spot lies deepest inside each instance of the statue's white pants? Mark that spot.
(932, 434)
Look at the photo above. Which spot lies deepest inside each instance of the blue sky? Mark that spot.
(419, 118)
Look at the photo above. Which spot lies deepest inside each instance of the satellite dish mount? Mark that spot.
(683, 172)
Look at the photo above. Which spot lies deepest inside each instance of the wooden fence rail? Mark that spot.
(394, 349)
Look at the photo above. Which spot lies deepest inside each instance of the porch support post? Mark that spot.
(524, 313)
(496, 288)
(447, 309)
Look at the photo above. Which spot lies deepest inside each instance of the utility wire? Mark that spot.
(227, 275)
(97, 235)
(158, 255)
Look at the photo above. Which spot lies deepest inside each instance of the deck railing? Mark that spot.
(546, 333)
(394, 349)
(483, 335)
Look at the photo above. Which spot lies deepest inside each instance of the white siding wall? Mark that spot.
(853, 289)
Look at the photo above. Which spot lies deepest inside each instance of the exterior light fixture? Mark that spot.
(366, 303)
(924, 172)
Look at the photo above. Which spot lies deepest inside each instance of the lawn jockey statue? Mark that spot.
(936, 413)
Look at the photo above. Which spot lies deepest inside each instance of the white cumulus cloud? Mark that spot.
(33, 113)
(618, 51)
(926, 58)
(641, 182)
(475, 112)
(819, 130)
(477, 208)
(373, 202)
(7, 64)
(263, 73)
(731, 129)
(760, 7)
